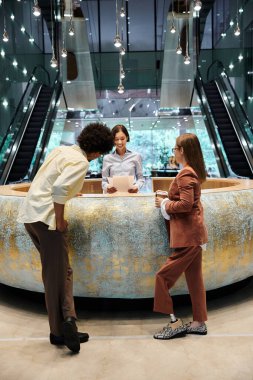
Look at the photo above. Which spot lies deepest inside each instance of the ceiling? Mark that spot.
(146, 38)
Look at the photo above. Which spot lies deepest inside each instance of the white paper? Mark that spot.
(121, 183)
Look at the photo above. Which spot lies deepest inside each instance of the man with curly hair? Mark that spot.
(59, 179)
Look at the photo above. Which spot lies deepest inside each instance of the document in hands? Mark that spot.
(121, 183)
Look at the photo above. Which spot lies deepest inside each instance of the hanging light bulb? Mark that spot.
(71, 28)
(5, 36)
(122, 73)
(36, 9)
(179, 50)
(64, 52)
(71, 31)
(53, 62)
(121, 88)
(122, 12)
(187, 59)
(117, 41)
(173, 28)
(237, 30)
(197, 5)
(122, 51)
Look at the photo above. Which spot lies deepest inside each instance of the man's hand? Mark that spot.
(61, 225)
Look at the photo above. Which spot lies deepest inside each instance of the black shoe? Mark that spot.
(59, 340)
(70, 334)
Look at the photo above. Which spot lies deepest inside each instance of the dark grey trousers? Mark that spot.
(57, 274)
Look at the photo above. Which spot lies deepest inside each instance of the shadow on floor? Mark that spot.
(34, 301)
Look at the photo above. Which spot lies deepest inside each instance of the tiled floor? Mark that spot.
(121, 345)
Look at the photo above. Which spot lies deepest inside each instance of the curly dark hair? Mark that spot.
(96, 137)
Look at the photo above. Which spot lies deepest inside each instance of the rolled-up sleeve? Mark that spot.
(105, 173)
(70, 181)
(139, 172)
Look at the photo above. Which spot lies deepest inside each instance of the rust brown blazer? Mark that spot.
(187, 226)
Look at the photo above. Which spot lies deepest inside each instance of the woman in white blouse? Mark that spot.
(122, 162)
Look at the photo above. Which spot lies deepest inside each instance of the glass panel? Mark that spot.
(153, 138)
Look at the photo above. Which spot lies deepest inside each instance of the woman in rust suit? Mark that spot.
(187, 236)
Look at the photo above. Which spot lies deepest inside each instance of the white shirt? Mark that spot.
(59, 179)
(116, 165)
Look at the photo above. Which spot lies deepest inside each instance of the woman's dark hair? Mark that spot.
(193, 154)
(120, 128)
(96, 137)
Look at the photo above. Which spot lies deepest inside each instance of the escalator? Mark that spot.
(227, 122)
(229, 137)
(29, 130)
(24, 156)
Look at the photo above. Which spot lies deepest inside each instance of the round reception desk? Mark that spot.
(117, 243)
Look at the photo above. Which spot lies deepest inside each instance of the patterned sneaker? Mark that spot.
(200, 330)
(171, 330)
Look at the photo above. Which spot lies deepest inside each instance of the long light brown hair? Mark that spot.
(193, 154)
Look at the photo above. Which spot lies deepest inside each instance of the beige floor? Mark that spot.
(121, 345)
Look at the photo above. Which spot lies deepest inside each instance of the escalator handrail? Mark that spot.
(221, 66)
(22, 98)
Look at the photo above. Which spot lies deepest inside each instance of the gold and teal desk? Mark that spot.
(117, 243)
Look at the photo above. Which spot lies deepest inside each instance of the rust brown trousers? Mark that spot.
(186, 260)
(56, 273)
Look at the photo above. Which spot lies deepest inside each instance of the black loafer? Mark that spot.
(71, 338)
(59, 340)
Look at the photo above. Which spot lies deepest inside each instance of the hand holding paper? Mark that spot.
(122, 184)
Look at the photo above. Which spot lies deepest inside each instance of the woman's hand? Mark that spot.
(111, 189)
(158, 201)
(133, 189)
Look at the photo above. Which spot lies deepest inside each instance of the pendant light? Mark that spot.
(121, 88)
(122, 10)
(64, 52)
(187, 58)
(36, 9)
(117, 40)
(197, 5)
(179, 48)
(172, 28)
(237, 30)
(5, 34)
(53, 62)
